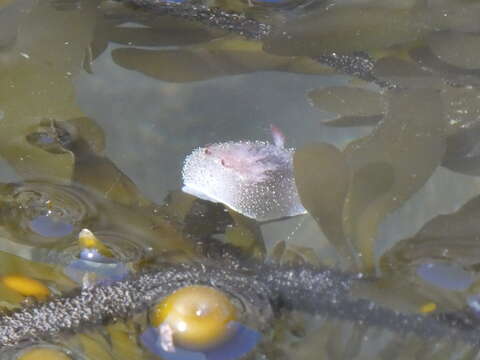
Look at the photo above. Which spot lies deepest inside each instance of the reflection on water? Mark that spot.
(100, 103)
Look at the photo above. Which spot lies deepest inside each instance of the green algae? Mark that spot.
(373, 175)
(352, 106)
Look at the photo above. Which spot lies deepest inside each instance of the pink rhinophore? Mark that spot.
(254, 178)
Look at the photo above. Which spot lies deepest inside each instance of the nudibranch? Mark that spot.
(254, 178)
(198, 323)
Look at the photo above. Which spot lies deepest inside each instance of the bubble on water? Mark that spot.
(253, 178)
(446, 276)
(49, 226)
(40, 214)
(101, 271)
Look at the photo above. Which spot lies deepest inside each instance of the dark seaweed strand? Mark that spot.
(102, 304)
(358, 64)
(327, 293)
(216, 17)
(307, 289)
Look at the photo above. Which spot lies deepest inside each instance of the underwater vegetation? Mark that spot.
(289, 249)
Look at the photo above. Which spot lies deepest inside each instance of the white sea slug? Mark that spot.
(254, 178)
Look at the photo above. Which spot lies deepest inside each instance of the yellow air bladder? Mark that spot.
(44, 354)
(199, 317)
(26, 286)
